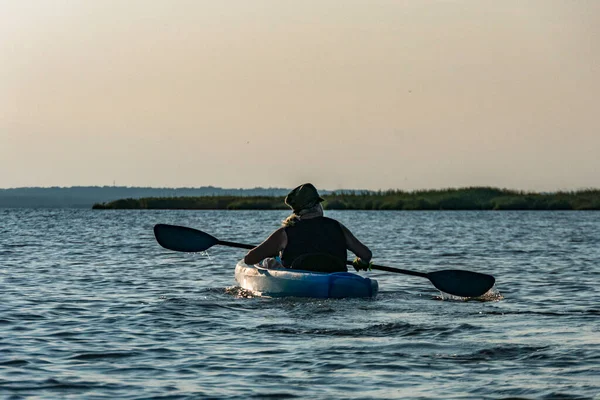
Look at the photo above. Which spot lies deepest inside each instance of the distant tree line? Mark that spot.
(87, 196)
(472, 198)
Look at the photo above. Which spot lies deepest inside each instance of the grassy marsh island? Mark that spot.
(473, 198)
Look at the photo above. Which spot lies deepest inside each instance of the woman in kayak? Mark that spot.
(310, 241)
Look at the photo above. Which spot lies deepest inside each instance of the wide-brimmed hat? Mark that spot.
(302, 197)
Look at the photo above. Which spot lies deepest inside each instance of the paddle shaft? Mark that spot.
(234, 244)
(397, 270)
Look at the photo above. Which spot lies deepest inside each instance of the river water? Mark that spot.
(93, 307)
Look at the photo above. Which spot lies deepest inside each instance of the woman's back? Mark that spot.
(314, 237)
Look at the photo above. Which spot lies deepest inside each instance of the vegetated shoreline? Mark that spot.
(471, 198)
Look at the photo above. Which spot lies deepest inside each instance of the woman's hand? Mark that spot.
(360, 264)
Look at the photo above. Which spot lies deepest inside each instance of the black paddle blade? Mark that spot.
(181, 238)
(461, 283)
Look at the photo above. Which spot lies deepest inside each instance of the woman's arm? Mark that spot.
(355, 245)
(269, 248)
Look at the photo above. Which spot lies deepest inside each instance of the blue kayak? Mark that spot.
(284, 282)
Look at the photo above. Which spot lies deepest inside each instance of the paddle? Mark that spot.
(452, 281)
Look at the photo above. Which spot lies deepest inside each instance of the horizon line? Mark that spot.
(588, 188)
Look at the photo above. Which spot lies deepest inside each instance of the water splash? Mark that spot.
(204, 253)
(240, 293)
(491, 295)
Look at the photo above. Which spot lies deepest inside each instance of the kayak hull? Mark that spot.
(283, 282)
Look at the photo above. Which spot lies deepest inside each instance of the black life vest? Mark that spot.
(315, 244)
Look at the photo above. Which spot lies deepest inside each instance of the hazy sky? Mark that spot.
(345, 94)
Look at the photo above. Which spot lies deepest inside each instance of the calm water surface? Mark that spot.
(92, 307)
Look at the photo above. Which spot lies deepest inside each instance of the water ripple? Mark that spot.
(94, 308)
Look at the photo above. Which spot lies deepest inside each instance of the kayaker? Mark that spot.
(308, 240)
